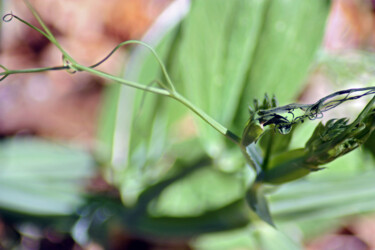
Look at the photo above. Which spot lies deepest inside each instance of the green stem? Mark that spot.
(268, 153)
(34, 70)
(249, 160)
(169, 93)
(121, 80)
(212, 122)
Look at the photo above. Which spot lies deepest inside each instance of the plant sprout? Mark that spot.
(327, 143)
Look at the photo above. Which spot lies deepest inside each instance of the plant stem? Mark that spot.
(169, 93)
(121, 80)
(212, 122)
(34, 70)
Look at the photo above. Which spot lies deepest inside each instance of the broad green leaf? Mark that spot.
(260, 237)
(231, 216)
(270, 238)
(42, 178)
(201, 191)
(330, 193)
(217, 41)
(273, 143)
(291, 34)
(107, 123)
(257, 201)
(233, 239)
(287, 167)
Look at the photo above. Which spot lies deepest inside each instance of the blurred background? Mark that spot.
(88, 164)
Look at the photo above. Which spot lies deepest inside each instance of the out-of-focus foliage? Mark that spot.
(42, 178)
(176, 175)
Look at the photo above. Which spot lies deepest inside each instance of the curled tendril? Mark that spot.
(169, 86)
(8, 17)
(105, 58)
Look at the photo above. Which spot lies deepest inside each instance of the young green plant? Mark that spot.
(268, 122)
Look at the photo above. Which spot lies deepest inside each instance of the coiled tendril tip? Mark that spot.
(8, 17)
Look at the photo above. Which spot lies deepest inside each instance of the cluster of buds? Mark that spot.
(328, 142)
(255, 126)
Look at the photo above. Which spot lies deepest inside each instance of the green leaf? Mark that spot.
(287, 167)
(291, 34)
(258, 203)
(270, 238)
(217, 41)
(324, 199)
(344, 188)
(262, 237)
(233, 239)
(274, 142)
(107, 123)
(201, 191)
(43, 178)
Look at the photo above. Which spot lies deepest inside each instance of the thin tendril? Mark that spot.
(9, 17)
(8, 72)
(105, 58)
(162, 66)
(319, 107)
